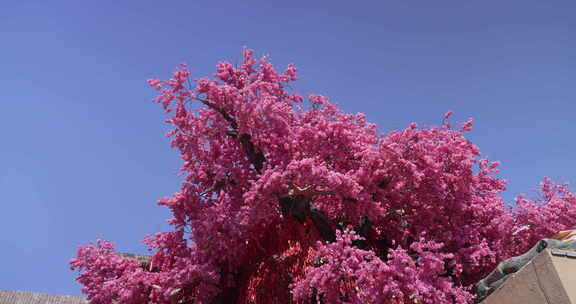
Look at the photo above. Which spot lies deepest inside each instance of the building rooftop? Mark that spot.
(548, 278)
(22, 297)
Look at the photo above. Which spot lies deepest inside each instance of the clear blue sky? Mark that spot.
(83, 153)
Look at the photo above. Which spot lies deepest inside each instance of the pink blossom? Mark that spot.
(284, 202)
(467, 126)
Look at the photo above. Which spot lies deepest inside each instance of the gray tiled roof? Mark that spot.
(21, 297)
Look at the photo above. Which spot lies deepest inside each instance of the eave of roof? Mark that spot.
(22, 297)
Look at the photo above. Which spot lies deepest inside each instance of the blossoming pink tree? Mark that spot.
(287, 201)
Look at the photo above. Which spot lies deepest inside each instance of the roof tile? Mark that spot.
(21, 297)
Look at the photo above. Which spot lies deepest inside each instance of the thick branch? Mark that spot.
(218, 109)
(255, 155)
(298, 204)
(322, 225)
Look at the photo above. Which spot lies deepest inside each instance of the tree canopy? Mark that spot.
(287, 200)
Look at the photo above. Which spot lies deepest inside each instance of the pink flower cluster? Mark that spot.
(291, 202)
(346, 274)
(166, 278)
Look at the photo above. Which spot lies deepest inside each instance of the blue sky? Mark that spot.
(83, 153)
